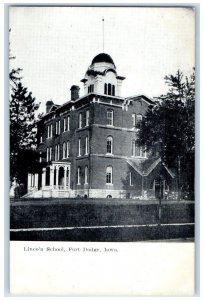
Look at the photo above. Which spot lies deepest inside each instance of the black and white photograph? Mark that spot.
(102, 126)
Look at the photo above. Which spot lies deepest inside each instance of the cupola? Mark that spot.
(101, 77)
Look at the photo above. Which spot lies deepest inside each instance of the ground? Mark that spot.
(101, 220)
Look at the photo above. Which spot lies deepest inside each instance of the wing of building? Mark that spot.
(89, 143)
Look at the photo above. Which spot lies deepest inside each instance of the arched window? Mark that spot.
(68, 121)
(105, 88)
(79, 147)
(110, 117)
(64, 150)
(50, 154)
(51, 130)
(68, 148)
(87, 118)
(55, 152)
(80, 120)
(86, 175)
(109, 145)
(78, 175)
(86, 145)
(65, 124)
(58, 151)
(47, 154)
(109, 89)
(109, 175)
(113, 90)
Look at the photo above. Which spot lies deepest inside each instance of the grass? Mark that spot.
(41, 213)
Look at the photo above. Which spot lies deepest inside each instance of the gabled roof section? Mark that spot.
(54, 107)
(138, 97)
(145, 167)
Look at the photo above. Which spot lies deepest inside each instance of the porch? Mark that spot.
(54, 181)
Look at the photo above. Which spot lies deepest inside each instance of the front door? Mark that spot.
(159, 188)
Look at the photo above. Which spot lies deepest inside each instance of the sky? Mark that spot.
(55, 45)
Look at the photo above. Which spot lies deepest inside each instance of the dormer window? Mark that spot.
(91, 88)
(113, 90)
(109, 89)
(105, 88)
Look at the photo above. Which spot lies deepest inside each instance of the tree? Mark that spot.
(168, 128)
(23, 157)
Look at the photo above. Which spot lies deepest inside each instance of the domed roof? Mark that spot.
(103, 57)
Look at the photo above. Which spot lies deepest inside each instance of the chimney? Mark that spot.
(49, 104)
(74, 92)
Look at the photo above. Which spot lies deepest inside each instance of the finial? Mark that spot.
(103, 33)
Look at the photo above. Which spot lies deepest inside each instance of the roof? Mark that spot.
(138, 97)
(145, 167)
(103, 57)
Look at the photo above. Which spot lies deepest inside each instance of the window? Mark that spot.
(137, 150)
(86, 175)
(79, 147)
(57, 127)
(113, 90)
(47, 159)
(40, 158)
(87, 118)
(134, 119)
(64, 150)
(48, 154)
(109, 145)
(49, 132)
(91, 88)
(86, 145)
(50, 158)
(109, 89)
(65, 124)
(68, 123)
(57, 150)
(133, 148)
(68, 148)
(78, 175)
(131, 184)
(105, 88)
(110, 117)
(138, 118)
(109, 171)
(80, 120)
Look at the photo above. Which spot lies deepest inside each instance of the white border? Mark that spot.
(159, 3)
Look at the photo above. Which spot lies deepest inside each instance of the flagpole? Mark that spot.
(103, 34)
